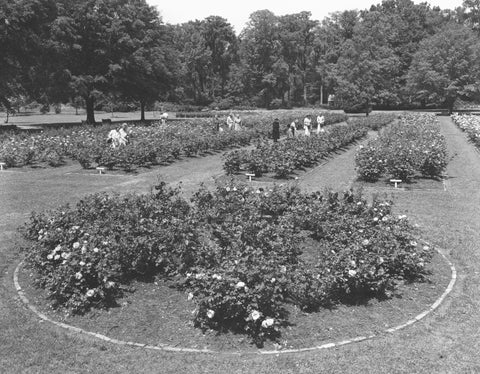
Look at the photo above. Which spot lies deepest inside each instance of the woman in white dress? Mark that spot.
(306, 124)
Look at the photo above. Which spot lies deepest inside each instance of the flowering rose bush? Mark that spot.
(239, 253)
(470, 124)
(284, 157)
(412, 145)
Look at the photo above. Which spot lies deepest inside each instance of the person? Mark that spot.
(331, 100)
(320, 123)
(123, 134)
(292, 128)
(230, 121)
(164, 118)
(216, 123)
(237, 122)
(306, 124)
(276, 130)
(112, 138)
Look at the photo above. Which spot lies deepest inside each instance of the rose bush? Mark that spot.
(240, 254)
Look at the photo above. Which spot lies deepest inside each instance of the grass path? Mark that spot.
(446, 342)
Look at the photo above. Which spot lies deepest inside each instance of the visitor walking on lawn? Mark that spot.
(276, 130)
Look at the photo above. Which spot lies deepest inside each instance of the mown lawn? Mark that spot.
(447, 341)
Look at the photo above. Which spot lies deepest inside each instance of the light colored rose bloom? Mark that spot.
(82, 263)
(353, 263)
(65, 255)
(426, 247)
(365, 242)
(58, 248)
(380, 260)
(413, 243)
(403, 216)
(90, 293)
(95, 249)
(57, 257)
(49, 257)
(240, 285)
(190, 296)
(268, 322)
(375, 219)
(84, 250)
(78, 275)
(210, 313)
(76, 245)
(255, 315)
(352, 273)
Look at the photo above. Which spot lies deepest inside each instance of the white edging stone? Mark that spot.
(164, 347)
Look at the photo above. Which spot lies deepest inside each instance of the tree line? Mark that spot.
(395, 54)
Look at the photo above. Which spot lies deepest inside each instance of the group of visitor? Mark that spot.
(119, 136)
(233, 123)
(292, 128)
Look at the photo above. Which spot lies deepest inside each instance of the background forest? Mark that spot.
(102, 54)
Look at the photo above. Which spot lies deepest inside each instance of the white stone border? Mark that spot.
(167, 348)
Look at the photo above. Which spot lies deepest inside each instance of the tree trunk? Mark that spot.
(90, 101)
(142, 111)
(321, 93)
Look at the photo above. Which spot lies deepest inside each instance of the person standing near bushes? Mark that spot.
(276, 130)
(320, 123)
(306, 125)
(230, 121)
(292, 128)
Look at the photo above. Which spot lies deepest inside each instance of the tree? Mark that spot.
(446, 67)
(259, 51)
(146, 62)
(296, 35)
(24, 28)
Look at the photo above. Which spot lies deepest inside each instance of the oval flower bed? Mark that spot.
(247, 259)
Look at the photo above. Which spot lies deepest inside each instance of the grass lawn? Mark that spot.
(444, 342)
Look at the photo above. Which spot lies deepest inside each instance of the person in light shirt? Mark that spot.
(320, 123)
(306, 124)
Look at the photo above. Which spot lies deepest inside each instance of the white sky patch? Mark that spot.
(237, 13)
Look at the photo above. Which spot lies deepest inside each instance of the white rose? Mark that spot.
(76, 245)
(255, 315)
(90, 293)
(190, 296)
(268, 322)
(352, 273)
(95, 249)
(210, 313)
(49, 257)
(240, 285)
(78, 275)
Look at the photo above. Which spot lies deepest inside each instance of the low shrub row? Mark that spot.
(148, 145)
(282, 158)
(238, 253)
(470, 124)
(404, 149)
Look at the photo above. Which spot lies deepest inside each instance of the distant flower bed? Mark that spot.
(411, 146)
(235, 252)
(148, 145)
(470, 124)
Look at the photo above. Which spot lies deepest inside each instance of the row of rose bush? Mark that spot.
(411, 146)
(470, 124)
(235, 252)
(148, 145)
(283, 158)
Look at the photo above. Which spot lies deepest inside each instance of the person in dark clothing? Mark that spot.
(276, 130)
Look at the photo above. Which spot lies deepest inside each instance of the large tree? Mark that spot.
(24, 34)
(144, 63)
(446, 67)
(260, 53)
